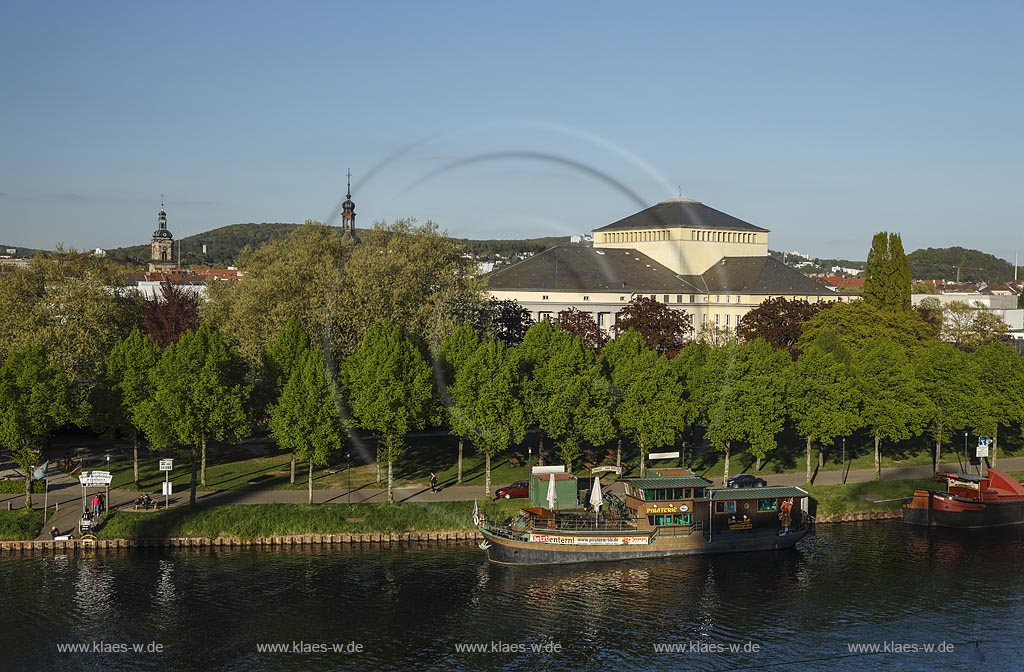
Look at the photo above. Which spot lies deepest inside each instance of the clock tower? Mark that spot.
(161, 246)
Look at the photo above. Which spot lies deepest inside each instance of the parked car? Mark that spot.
(746, 481)
(516, 490)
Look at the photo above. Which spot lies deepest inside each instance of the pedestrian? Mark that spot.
(785, 515)
(54, 532)
(433, 482)
(95, 505)
(103, 503)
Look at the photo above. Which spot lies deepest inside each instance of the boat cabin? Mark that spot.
(670, 501)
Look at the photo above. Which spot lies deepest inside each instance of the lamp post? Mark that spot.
(348, 473)
(842, 468)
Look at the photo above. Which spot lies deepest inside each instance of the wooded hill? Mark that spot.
(937, 263)
(224, 244)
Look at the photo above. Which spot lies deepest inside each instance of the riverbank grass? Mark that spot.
(250, 521)
(20, 525)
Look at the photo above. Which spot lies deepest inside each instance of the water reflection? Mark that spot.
(413, 608)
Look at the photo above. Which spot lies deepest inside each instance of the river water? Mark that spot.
(857, 585)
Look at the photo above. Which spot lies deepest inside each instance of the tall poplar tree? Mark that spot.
(887, 274)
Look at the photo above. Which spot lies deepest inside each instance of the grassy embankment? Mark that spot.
(20, 524)
(870, 496)
(248, 521)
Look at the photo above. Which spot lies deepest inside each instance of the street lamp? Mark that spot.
(348, 472)
(842, 467)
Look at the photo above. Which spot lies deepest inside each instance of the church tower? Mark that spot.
(161, 246)
(348, 214)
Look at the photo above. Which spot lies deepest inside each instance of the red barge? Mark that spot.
(994, 500)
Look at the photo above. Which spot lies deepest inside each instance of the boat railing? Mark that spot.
(585, 523)
(680, 530)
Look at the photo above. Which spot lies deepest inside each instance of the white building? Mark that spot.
(681, 252)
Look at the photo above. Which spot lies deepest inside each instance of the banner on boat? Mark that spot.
(587, 541)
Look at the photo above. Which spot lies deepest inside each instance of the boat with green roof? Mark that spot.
(670, 512)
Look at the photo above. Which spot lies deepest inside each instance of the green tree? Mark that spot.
(487, 404)
(388, 385)
(650, 405)
(887, 275)
(969, 327)
(414, 276)
(750, 377)
(822, 401)
(857, 323)
(35, 398)
(75, 306)
(535, 350)
(456, 350)
(950, 380)
(999, 395)
(127, 388)
(306, 418)
(300, 277)
(199, 395)
(280, 359)
(571, 399)
(690, 367)
(890, 396)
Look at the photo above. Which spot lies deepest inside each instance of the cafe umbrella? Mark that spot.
(596, 499)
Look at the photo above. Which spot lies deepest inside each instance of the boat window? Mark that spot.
(698, 493)
(725, 507)
(687, 519)
(659, 495)
(767, 505)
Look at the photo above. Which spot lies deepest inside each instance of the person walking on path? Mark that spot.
(95, 505)
(433, 482)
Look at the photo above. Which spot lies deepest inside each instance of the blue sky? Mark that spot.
(823, 122)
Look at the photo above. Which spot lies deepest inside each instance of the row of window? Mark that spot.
(665, 234)
(676, 519)
(667, 494)
(637, 236)
(724, 236)
(762, 505)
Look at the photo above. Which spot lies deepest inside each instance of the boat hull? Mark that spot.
(506, 551)
(965, 515)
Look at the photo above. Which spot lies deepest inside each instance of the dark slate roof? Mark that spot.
(682, 212)
(569, 268)
(669, 482)
(759, 275)
(770, 492)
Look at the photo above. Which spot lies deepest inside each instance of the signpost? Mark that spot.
(984, 444)
(166, 465)
(96, 479)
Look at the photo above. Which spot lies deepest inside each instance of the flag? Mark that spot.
(40, 472)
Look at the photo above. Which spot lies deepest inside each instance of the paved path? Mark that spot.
(66, 493)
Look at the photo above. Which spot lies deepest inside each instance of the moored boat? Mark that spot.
(671, 513)
(993, 500)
